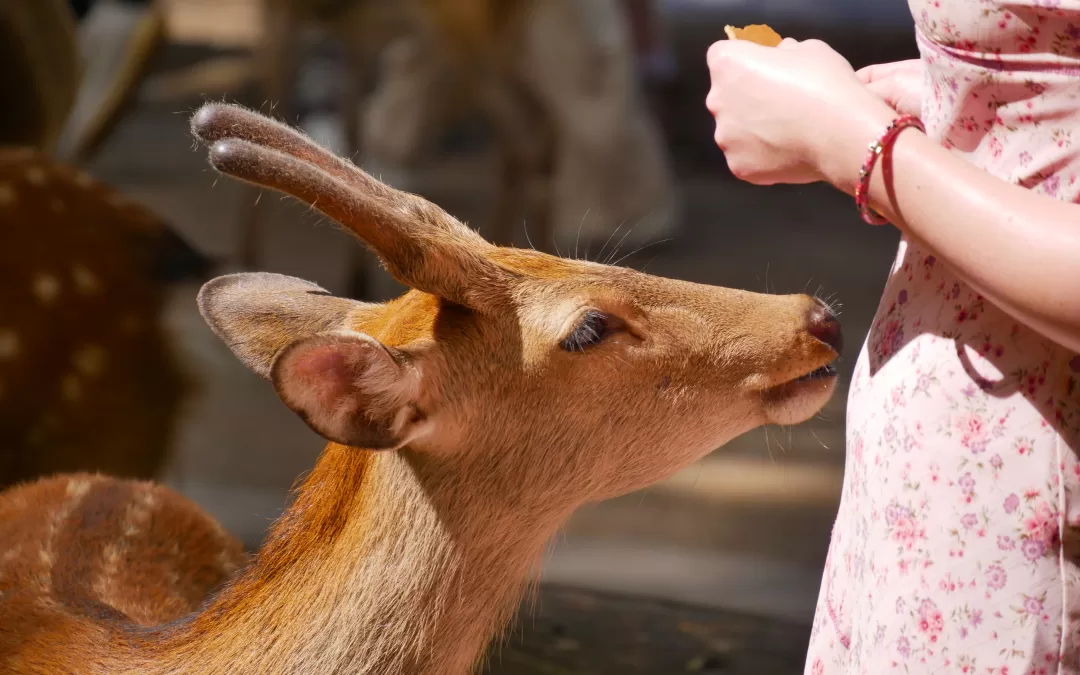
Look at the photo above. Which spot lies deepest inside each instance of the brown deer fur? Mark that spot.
(88, 380)
(409, 559)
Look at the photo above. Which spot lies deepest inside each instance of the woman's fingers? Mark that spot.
(881, 71)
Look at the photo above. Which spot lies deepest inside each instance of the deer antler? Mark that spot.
(421, 245)
(218, 121)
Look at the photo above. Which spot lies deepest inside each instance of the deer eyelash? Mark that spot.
(593, 327)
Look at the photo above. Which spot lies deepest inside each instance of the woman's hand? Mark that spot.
(798, 113)
(784, 113)
(899, 84)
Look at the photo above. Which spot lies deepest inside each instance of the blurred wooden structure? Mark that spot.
(227, 24)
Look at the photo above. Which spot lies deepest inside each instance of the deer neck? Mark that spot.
(383, 564)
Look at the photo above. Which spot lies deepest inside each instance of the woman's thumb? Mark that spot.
(893, 93)
(868, 74)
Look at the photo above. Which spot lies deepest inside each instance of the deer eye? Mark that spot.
(591, 330)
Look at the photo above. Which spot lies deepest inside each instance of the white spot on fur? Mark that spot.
(110, 566)
(45, 599)
(146, 498)
(75, 490)
(89, 360)
(46, 288)
(71, 388)
(82, 179)
(78, 487)
(8, 196)
(35, 175)
(86, 282)
(116, 200)
(226, 563)
(111, 555)
(41, 584)
(137, 517)
(12, 553)
(9, 344)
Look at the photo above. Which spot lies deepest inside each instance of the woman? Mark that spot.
(956, 546)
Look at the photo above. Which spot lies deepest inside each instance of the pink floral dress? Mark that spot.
(956, 548)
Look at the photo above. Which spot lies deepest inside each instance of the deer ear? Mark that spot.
(350, 389)
(258, 314)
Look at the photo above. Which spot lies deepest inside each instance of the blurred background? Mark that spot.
(575, 126)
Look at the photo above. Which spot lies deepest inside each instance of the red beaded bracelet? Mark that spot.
(883, 143)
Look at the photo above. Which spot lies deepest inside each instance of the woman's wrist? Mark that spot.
(839, 149)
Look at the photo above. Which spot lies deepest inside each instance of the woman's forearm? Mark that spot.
(1020, 249)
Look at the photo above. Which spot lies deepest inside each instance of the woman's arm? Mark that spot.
(1018, 248)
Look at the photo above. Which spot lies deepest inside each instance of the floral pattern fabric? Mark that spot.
(956, 548)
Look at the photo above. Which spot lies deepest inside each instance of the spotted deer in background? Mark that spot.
(466, 421)
(88, 379)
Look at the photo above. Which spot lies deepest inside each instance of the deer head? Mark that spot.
(544, 380)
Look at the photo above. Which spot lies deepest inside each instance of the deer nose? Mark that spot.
(824, 325)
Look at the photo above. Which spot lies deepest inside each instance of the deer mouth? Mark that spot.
(823, 373)
(798, 399)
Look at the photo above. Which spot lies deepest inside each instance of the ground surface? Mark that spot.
(588, 633)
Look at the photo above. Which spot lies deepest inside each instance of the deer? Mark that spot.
(89, 379)
(465, 421)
